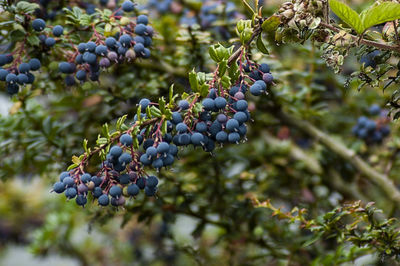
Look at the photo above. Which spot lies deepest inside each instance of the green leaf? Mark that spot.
(271, 24)
(27, 7)
(261, 46)
(194, 83)
(72, 166)
(348, 15)
(222, 67)
(171, 93)
(33, 40)
(121, 121)
(204, 90)
(377, 14)
(213, 53)
(155, 111)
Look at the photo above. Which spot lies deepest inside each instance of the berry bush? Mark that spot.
(201, 132)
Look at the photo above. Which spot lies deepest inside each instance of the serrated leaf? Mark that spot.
(234, 72)
(33, 40)
(204, 90)
(213, 54)
(271, 24)
(27, 7)
(222, 67)
(348, 15)
(194, 83)
(377, 14)
(155, 111)
(260, 45)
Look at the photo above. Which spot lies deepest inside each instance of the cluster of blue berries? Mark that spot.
(220, 118)
(131, 43)
(372, 131)
(107, 187)
(17, 75)
(88, 58)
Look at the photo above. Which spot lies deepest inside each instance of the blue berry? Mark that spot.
(197, 138)
(220, 102)
(24, 67)
(81, 75)
(141, 182)
(183, 104)
(115, 151)
(184, 139)
(152, 181)
(3, 74)
(142, 19)
(221, 136)
(69, 80)
(111, 42)
(89, 58)
(34, 64)
(139, 39)
(162, 148)
(208, 104)
(82, 47)
(133, 190)
(232, 125)
(221, 118)
(96, 180)
(91, 46)
(125, 40)
(173, 150)
(151, 152)
(101, 50)
(144, 159)
(38, 24)
(125, 159)
(11, 78)
(201, 127)
(233, 137)
(81, 200)
(124, 179)
(157, 163)
(181, 127)
(50, 42)
(138, 48)
(97, 192)
(374, 109)
(256, 90)
(63, 175)
(140, 29)
(68, 181)
(264, 68)
(241, 117)
(127, 6)
(66, 67)
(144, 103)
(22, 79)
(59, 187)
(86, 178)
(268, 78)
(71, 192)
(176, 118)
(115, 191)
(58, 31)
(126, 140)
(241, 105)
(103, 200)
